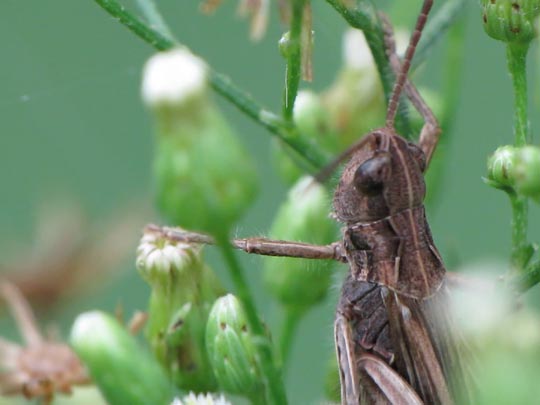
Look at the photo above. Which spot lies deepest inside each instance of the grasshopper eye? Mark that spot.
(370, 176)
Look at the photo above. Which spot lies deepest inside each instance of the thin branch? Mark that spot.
(517, 66)
(154, 17)
(223, 86)
(529, 278)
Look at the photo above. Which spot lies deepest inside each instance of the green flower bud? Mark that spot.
(314, 125)
(232, 349)
(205, 180)
(527, 172)
(298, 283)
(284, 45)
(123, 371)
(183, 290)
(510, 21)
(501, 167)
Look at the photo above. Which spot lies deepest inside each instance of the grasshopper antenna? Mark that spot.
(402, 76)
(327, 171)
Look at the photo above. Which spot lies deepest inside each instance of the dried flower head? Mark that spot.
(256, 10)
(40, 368)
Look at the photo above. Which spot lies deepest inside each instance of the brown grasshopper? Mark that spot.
(393, 334)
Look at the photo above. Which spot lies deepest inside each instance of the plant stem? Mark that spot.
(516, 57)
(517, 66)
(223, 85)
(529, 278)
(274, 384)
(294, 59)
(290, 324)
(154, 17)
(519, 232)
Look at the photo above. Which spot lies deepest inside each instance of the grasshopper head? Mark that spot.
(383, 177)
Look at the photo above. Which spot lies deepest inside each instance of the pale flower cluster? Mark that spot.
(201, 399)
(173, 77)
(162, 255)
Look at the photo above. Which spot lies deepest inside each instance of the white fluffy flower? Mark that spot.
(173, 77)
(201, 399)
(162, 255)
(356, 52)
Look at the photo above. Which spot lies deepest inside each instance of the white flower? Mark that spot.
(162, 255)
(306, 102)
(356, 52)
(201, 399)
(173, 77)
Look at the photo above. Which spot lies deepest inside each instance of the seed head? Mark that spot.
(511, 21)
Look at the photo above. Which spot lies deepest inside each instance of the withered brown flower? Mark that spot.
(42, 366)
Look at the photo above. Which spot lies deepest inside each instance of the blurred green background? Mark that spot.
(72, 127)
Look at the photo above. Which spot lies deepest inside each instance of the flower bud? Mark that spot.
(183, 289)
(284, 45)
(298, 283)
(124, 373)
(205, 179)
(510, 21)
(501, 167)
(527, 172)
(313, 124)
(173, 79)
(232, 349)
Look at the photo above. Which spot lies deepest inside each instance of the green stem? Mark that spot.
(363, 16)
(519, 232)
(516, 56)
(294, 59)
(529, 279)
(274, 384)
(290, 324)
(223, 85)
(154, 17)
(517, 66)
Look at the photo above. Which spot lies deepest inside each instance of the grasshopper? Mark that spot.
(393, 335)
